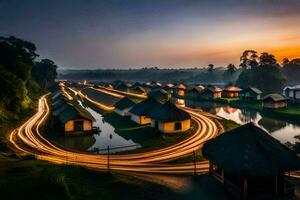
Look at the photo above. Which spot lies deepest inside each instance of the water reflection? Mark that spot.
(281, 130)
(98, 143)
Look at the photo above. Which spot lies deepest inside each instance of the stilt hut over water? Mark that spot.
(231, 92)
(170, 119)
(74, 119)
(250, 163)
(274, 101)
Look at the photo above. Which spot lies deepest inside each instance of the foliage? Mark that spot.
(13, 91)
(17, 61)
(44, 73)
(292, 70)
(211, 67)
(249, 59)
(230, 74)
(267, 75)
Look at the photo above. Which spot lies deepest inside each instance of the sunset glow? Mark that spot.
(155, 33)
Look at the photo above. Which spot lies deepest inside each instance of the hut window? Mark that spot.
(178, 126)
(78, 125)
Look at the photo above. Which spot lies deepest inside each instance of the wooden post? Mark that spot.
(245, 188)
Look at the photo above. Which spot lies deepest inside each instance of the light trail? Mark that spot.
(28, 139)
(130, 94)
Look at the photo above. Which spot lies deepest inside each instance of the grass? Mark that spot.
(229, 124)
(148, 137)
(34, 179)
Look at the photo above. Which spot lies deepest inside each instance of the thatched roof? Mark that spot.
(212, 89)
(275, 97)
(144, 107)
(99, 96)
(65, 111)
(252, 89)
(122, 86)
(181, 86)
(232, 88)
(169, 85)
(158, 92)
(249, 151)
(139, 89)
(169, 113)
(198, 88)
(74, 112)
(124, 103)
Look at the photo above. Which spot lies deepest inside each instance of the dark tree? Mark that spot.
(229, 74)
(292, 70)
(267, 59)
(16, 56)
(44, 73)
(248, 59)
(211, 67)
(267, 76)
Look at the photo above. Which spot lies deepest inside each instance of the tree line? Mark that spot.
(264, 72)
(22, 77)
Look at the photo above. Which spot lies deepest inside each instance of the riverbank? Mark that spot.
(290, 114)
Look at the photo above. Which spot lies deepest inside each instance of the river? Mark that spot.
(279, 129)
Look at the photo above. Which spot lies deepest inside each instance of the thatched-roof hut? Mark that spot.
(250, 94)
(123, 106)
(138, 90)
(170, 119)
(231, 92)
(194, 92)
(160, 95)
(75, 119)
(250, 162)
(139, 111)
(180, 90)
(293, 93)
(211, 92)
(98, 96)
(274, 101)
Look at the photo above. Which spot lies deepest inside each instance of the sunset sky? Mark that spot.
(166, 33)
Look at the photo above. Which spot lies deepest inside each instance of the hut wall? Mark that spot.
(69, 125)
(87, 125)
(249, 96)
(135, 118)
(169, 127)
(275, 105)
(145, 120)
(140, 119)
(124, 112)
(229, 94)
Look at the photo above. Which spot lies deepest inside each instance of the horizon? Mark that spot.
(137, 34)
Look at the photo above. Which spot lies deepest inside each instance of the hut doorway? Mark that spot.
(156, 124)
(178, 126)
(78, 125)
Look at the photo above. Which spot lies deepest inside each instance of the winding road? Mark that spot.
(28, 139)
